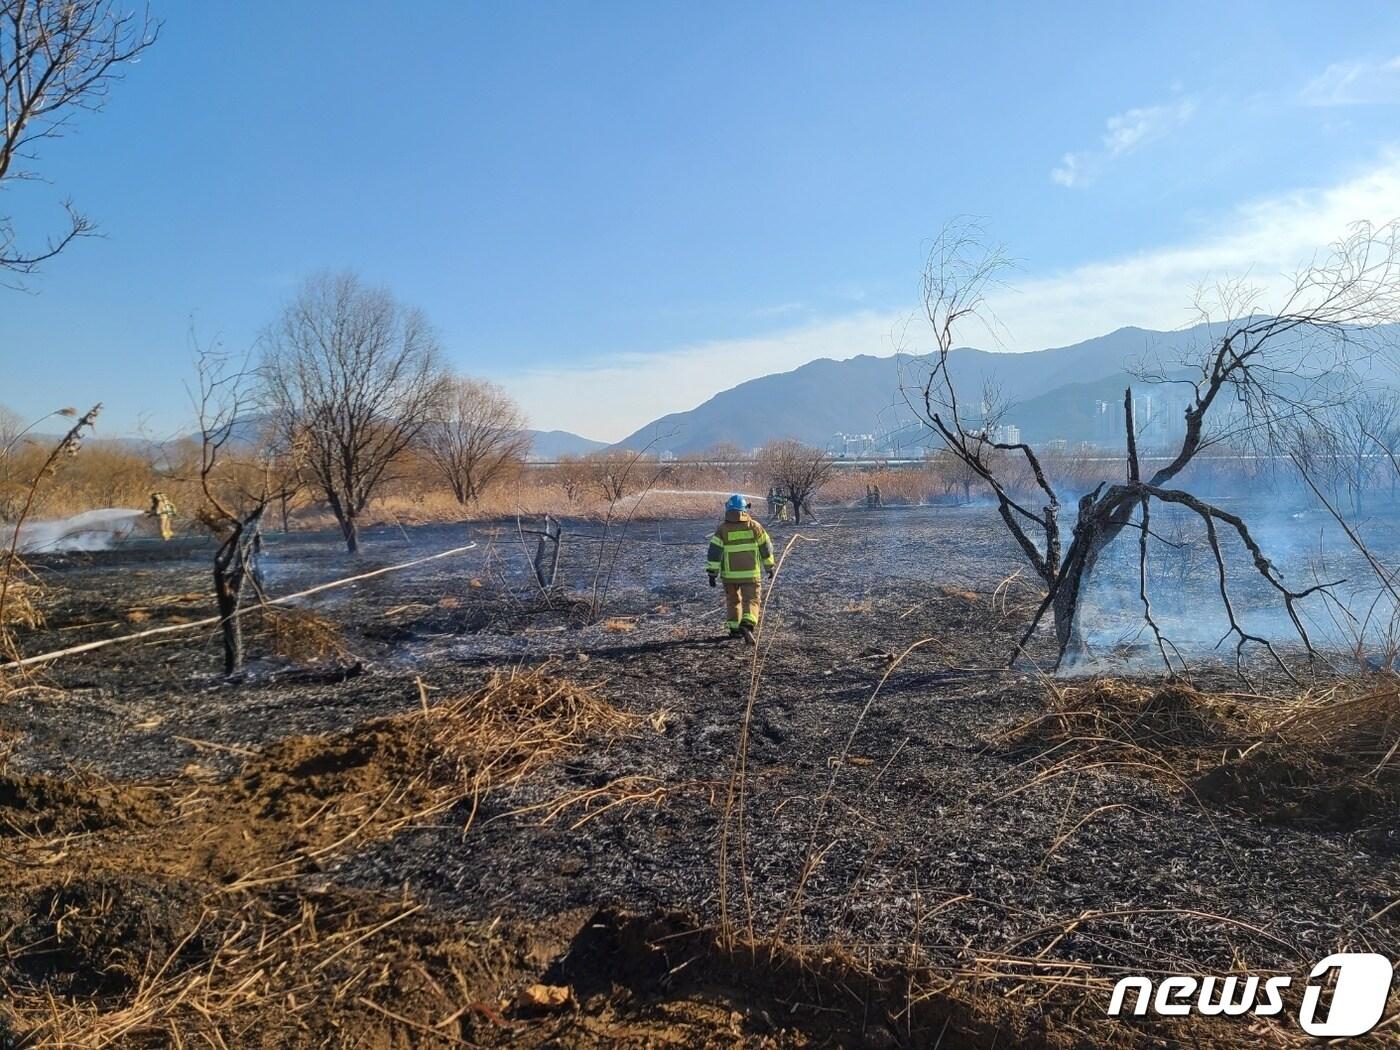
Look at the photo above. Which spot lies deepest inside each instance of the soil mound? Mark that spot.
(199, 931)
(1335, 765)
(1110, 712)
(101, 935)
(36, 804)
(307, 796)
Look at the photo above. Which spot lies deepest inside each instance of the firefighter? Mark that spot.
(162, 508)
(740, 552)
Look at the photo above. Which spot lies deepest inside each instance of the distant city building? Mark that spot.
(1001, 434)
(1159, 420)
(852, 446)
(1108, 423)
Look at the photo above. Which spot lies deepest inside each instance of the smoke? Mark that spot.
(93, 530)
(1355, 617)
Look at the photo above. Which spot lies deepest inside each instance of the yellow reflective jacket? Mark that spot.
(739, 549)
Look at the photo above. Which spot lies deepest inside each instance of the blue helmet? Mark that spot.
(736, 502)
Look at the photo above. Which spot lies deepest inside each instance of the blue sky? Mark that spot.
(618, 209)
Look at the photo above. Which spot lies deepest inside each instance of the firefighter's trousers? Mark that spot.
(166, 531)
(741, 602)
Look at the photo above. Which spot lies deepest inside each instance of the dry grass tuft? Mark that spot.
(1330, 762)
(176, 914)
(302, 636)
(279, 968)
(22, 606)
(522, 720)
(619, 624)
(1328, 759)
(21, 596)
(1111, 711)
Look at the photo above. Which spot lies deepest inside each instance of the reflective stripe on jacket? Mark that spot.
(739, 549)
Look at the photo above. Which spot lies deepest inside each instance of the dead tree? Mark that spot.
(798, 470)
(354, 376)
(237, 490)
(1256, 375)
(58, 58)
(477, 436)
(547, 551)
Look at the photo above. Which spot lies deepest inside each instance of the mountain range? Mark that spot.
(551, 444)
(1051, 393)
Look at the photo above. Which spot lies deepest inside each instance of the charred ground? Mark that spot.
(1032, 839)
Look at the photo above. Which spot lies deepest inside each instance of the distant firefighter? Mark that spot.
(163, 509)
(739, 553)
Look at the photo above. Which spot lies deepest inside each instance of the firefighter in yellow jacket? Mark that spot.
(740, 552)
(164, 510)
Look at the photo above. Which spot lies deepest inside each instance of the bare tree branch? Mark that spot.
(57, 58)
(353, 377)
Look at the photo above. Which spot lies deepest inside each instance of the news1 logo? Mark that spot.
(1360, 988)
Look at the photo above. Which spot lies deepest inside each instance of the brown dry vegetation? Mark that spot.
(112, 475)
(189, 912)
(176, 912)
(212, 909)
(1328, 758)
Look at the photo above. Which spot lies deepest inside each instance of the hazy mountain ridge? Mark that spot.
(1052, 392)
(551, 444)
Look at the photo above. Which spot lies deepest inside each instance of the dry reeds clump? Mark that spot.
(302, 636)
(183, 921)
(22, 606)
(1328, 760)
(116, 960)
(307, 796)
(1109, 711)
(1331, 762)
(521, 720)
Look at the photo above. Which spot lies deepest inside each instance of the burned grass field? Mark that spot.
(447, 807)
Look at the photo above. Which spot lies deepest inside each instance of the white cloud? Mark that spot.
(1122, 134)
(1355, 83)
(1268, 239)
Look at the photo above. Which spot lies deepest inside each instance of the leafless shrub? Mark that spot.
(476, 437)
(799, 470)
